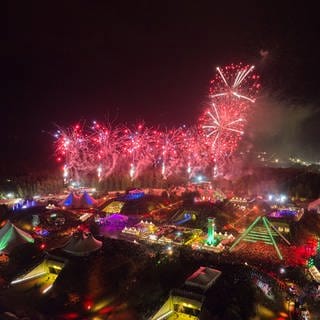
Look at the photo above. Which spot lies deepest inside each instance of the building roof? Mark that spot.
(203, 278)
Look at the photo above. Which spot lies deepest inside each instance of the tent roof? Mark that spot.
(74, 201)
(11, 236)
(314, 204)
(86, 201)
(82, 244)
(203, 278)
(42, 268)
(71, 200)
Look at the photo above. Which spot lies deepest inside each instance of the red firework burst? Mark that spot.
(237, 81)
(232, 92)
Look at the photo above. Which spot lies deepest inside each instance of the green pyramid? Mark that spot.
(262, 230)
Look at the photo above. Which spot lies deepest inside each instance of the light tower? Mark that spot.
(211, 232)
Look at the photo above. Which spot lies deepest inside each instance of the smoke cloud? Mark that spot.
(285, 128)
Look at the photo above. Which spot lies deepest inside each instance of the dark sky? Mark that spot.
(151, 60)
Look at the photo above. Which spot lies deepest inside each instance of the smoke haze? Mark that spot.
(285, 128)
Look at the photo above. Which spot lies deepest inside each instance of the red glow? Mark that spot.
(106, 310)
(129, 151)
(42, 246)
(88, 305)
(70, 316)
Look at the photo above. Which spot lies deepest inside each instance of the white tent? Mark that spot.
(82, 244)
(11, 237)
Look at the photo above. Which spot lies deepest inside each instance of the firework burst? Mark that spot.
(102, 149)
(235, 81)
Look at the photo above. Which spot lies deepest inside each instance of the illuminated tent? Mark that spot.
(46, 272)
(86, 201)
(82, 244)
(11, 237)
(75, 202)
(132, 204)
(262, 230)
(71, 201)
(113, 207)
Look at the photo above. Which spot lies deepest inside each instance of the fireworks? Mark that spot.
(101, 150)
(237, 81)
(223, 126)
(232, 92)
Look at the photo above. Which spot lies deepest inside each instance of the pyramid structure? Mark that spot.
(82, 244)
(11, 237)
(262, 230)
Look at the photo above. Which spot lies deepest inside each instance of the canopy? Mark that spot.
(71, 201)
(86, 201)
(76, 202)
(50, 265)
(82, 244)
(11, 237)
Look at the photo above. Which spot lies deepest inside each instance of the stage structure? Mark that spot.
(262, 230)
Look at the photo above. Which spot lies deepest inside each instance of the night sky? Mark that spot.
(124, 61)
